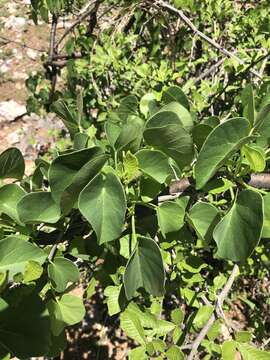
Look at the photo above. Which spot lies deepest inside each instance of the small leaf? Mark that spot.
(66, 311)
(130, 136)
(170, 217)
(131, 167)
(239, 232)
(250, 352)
(38, 207)
(61, 272)
(130, 323)
(154, 164)
(103, 203)
(145, 269)
(255, 157)
(10, 195)
(228, 350)
(266, 220)
(204, 217)
(11, 164)
(67, 115)
(248, 103)
(175, 353)
(177, 316)
(223, 141)
(33, 271)
(113, 293)
(148, 104)
(202, 316)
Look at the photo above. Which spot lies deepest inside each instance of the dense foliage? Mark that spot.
(113, 202)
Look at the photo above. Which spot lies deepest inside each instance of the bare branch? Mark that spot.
(210, 41)
(81, 18)
(22, 44)
(221, 298)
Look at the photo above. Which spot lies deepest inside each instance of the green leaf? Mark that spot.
(165, 132)
(223, 141)
(11, 164)
(202, 316)
(71, 172)
(128, 107)
(255, 157)
(113, 293)
(262, 123)
(200, 133)
(61, 272)
(177, 316)
(25, 328)
(130, 136)
(204, 217)
(10, 195)
(154, 164)
(149, 189)
(66, 311)
(148, 104)
(243, 336)
(181, 112)
(33, 271)
(112, 132)
(15, 254)
(250, 352)
(239, 232)
(248, 103)
(170, 217)
(175, 93)
(228, 350)
(67, 115)
(131, 167)
(175, 353)
(145, 269)
(38, 207)
(138, 353)
(266, 220)
(131, 324)
(103, 203)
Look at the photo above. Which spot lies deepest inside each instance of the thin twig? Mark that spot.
(81, 18)
(210, 41)
(20, 43)
(55, 246)
(221, 298)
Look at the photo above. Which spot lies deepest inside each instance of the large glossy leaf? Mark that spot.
(69, 174)
(66, 311)
(38, 207)
(239, 232)
(145, 269)
(61, 272)
(164, 131)
(170, 217)
(182, 113)
(11, 164)
(203, 217)
(10, 195)
(103, 203)
(154, 164)
(15, 254)
(221, 143)
(25, 328)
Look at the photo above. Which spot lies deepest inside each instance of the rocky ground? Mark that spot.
(21, 45)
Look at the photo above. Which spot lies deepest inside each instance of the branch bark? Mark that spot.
(210, 41)
(221, 298)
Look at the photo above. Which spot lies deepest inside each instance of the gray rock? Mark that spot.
(9, 110)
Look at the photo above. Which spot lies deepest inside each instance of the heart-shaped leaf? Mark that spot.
(61, 272)
(11, 164)
(221, 143)
(103, 203)
(239, 232)
(66, 311)
(145, 269)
